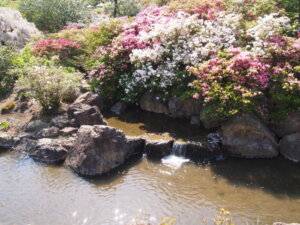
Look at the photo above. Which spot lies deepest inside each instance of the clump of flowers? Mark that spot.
(60, 47)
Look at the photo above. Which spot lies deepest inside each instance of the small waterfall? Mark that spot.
(178, 149)
(177, 157)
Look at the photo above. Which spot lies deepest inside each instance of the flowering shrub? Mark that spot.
(237, 80)
(49, 85)
(61, 47)
(231, 55)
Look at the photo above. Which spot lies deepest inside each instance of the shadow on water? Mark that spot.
(279, 177)
(140, 122)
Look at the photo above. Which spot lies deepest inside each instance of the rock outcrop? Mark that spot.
(85, 114)
(46, 151)
(99, 149)
(247, 137)
(158, 148)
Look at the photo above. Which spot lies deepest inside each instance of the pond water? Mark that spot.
(254, 191)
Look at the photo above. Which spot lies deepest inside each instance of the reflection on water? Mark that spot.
(135, 122)
(255, 191)
(264, 190)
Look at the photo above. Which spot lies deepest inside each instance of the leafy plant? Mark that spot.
(4, 125)
(7, 56)
(50, 85)
(53, 15)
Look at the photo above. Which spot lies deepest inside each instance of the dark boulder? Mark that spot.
(183, 108)
(247, 137)
(291, 124)
(47, 151)
(60, 121)
(47, 133)
(92, 99)
(289, 147)
(85, 114)
(7, 141)
(99, 149)
(158, 149)
(35, 125)
(118, 108)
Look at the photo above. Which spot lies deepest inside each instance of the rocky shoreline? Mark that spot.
(82, 138)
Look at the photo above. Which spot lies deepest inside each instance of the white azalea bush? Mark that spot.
(229, 55)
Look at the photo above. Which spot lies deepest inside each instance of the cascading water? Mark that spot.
(177, 157)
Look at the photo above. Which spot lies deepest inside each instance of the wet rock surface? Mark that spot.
(7, 141)
(158, 148)
(247, 137)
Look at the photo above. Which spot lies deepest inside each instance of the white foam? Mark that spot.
(174, 161)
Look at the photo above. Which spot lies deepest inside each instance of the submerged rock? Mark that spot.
(246, 136)
(85, 114)
(99, 149)
(158, 148)
(183, 108)
(46, 151)
(289, 146)
(151, 102)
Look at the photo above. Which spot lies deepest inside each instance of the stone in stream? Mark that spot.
(158, 148)
(118, 108)
(7, 141)
(47, 151)
(85, 114)
(289, 147)
(99, 149)
(246, 136)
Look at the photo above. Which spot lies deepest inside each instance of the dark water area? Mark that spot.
(259, 191)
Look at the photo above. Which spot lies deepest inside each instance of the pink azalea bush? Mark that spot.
(231, 55)
(61, 47)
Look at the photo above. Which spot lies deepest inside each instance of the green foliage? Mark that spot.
(9, 3)
(53, 15)
(50, 84)
(125, 7)
(4, 125)
(292, 6)
(7, 79)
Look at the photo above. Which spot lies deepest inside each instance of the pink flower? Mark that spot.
(196, 96)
